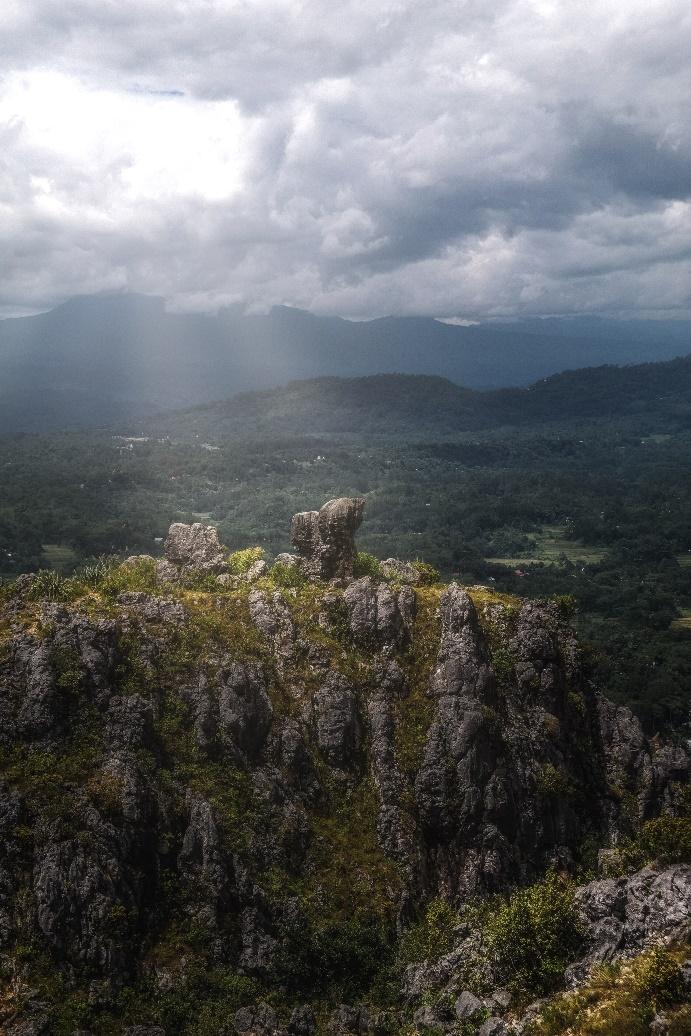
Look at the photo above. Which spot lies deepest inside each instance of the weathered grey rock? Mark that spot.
(420, 979)
(135, 560)
(459, 793)
(256, 570)
(353, 1021)
(76, 896)
(200, 861)
(10, 810)
(302, 1022)
(334, 708)
(129, 722)
(167, 572)
(258, 1020)
(400, 571)
(271, 616)
(500, 1001)
(660, 1025)
(467, 1005)
(493, 1027)
(36, 1026)
(290, 752)
(324, 539)
(40, 710)
(430, 1017)
(623, 916)
(392, 829)
(685, 972)
(153, 609)
(632, 761)
(258, 946)
(244, 710)
(195, 549)
(288, 560)
(377, 616)
(91, 644)
(232, 709)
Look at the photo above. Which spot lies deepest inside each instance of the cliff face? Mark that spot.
(222, 794)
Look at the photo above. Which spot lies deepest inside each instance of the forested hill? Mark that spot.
(105, 359)
(580, 485)
(397, 404)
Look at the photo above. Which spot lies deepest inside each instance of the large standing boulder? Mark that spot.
(195, 548)
(324, 539)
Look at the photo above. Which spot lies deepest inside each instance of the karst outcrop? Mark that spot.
(230, 810)
(325, 539)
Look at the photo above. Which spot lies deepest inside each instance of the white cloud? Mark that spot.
(461, 159)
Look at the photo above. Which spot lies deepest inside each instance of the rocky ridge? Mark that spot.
(230, 793)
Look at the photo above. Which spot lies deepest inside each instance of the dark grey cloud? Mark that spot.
(472, 159)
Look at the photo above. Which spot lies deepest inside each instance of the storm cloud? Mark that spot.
(457, 159)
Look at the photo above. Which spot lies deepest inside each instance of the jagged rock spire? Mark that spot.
(324, 539)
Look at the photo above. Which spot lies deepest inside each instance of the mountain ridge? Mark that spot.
(126, 355)
(391, 403)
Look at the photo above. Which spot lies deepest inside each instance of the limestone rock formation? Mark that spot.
(324, 539)
(217, 805)
(195, 548)
(624, 916)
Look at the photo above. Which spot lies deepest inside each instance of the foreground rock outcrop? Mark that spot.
(228, 811)
(324, 539)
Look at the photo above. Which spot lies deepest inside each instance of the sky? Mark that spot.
(472, 160)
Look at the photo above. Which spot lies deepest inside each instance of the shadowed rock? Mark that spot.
(324, 539)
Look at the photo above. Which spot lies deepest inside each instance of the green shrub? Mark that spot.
(134, 575)
(551, 782)
(621, 1000)
(534, 935)
(503, 665)
(433, 935)
(667, 839)
(94, 572)
(427, 574)
(287, 576)
(367, 565)
(566, 605)
(242, 560)
(342, 957)
(657, 978)
(52, 586)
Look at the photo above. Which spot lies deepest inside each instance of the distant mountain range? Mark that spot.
(103, 359)
(404, 405)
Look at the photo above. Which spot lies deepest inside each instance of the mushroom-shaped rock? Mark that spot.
(195, 548)
(324, 539)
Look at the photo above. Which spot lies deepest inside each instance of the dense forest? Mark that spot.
(526, 490)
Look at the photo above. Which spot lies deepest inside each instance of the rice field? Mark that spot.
(59, 557)
(550, 547)
(684, 620)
